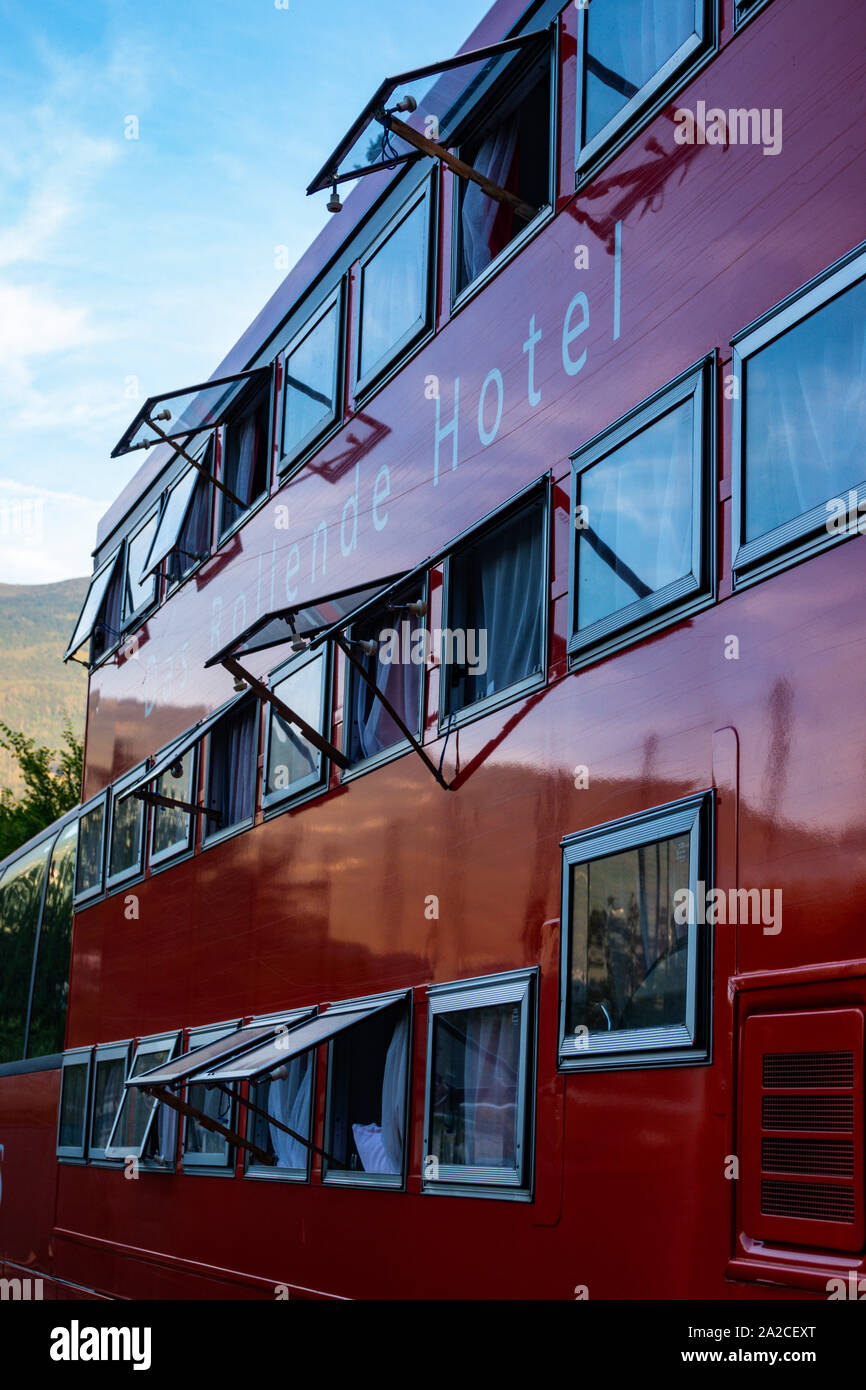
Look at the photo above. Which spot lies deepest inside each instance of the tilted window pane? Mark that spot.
(286, 1098)
(136, 1107)
(109, 1076)
(368, 1093)
(309, 384)
(628, 42)
(140, 593)
(107, 630)
(628, 963)
(476, 1080)
(127, 828)
(394, 672)
(171, 825)
(51, 984)
(805, 414)
(292, 760)
(73, 1106)
(635, 536)
(20, 905)
(393, 289)
(91, 837)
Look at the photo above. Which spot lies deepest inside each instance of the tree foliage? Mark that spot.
(52, 786)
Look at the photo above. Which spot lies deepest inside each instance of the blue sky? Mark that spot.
(130, 266)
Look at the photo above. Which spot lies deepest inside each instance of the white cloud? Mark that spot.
(45, 536)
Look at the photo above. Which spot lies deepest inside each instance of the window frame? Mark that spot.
(655, 94)
(210, 1164)
(273, 803)
(132, 619)
(89, 895)
(263, 1172)
(161, 859)
(677, 600)
(144, 1047)
(118, 560)
(805, 535)
(222, 833)
(289, 460)
(693, 815)
(125, 876)
(104, 1052)
(537, 491)
(744, 10)
(352, 1177)
(455, 996)
(396, 750)
(75, 1056)
(489, 105)
(424, 194)
(263, 393)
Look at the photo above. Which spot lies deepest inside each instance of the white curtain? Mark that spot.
(490, 1086)
(289, 1095)
(166, 1133)
(511, 605)
(381, 1146)
(628, 42)
(399, 681)
(241, 481)
(479, 213)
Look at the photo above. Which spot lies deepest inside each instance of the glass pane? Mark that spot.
(628, 41)
(108, 1082)
(192, 543)
(805, 411)
(127, 826)
(245, 459)
(51, 985)
(91, 836)
(496, 603)
(20, 904)
(395, 667)
(109, 622)
(136, 1107)
(217, 1106)
(232, 769)
(171, 826)
(393, 290)
(191, 410)
(636, 533)
(310, 373)
(291, 759)
(476, 1076)
(73, 1104)
(287, 1099)
(629, 957)
(140, 592)
(368, 1094)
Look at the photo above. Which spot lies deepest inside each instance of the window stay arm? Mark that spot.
(191, 807)
(380, 695)
(262, 692)
(455, 164)
(196, 463)
(293, 1133)
(612, 560)
(165, 1097)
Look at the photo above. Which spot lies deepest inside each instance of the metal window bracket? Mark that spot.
(262, 692)
(196, 463)
(455, 164)
(191, 807)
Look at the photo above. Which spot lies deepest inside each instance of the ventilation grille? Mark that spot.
(805, 1069)
(808, 1112)
(815, 1201)
(824, 1156)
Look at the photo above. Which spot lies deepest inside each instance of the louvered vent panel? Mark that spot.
(802, 1129)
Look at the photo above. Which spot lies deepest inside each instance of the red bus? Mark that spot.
(471, 846)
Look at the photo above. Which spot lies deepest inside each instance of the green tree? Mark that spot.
(52, 786)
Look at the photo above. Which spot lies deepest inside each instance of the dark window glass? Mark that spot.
(20, 904)
(310, 383)
(369, 1071)
(245, 459)
(127, 830)
(140, 593)
(496, 596)
(628, 963)
(91, 844)
(73, 1106)
(287, 1098)
(107, 629)
(193, 541)
(131, 1122)
(293, 763)
(628, 42)
(476, 1071)
(394, 638)
(394, 290)
(513, 151)
(232, 768)
(51, 983)
(805, 414)
(171, 825)
(637, 535)
(108, 1079)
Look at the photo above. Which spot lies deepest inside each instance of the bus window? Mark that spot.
(20, 905)
(51, 982)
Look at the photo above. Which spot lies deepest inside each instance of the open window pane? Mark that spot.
(191, 409)
(396, 667)
(369, 1069)
(512, 149)
(496, 597)
(126, 841)
(287, 1098)
(203, 1147)
(232, 758)
(394, 291)
(171, 831)
(73, 1107)
(293, 764)
(51, 981)
(245, 458)
(140, 588)
(20, 905)
(91, 848)
(109, 1074)
(132, 1122)
(310, 378)
(476, 1080)
(101, 611)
